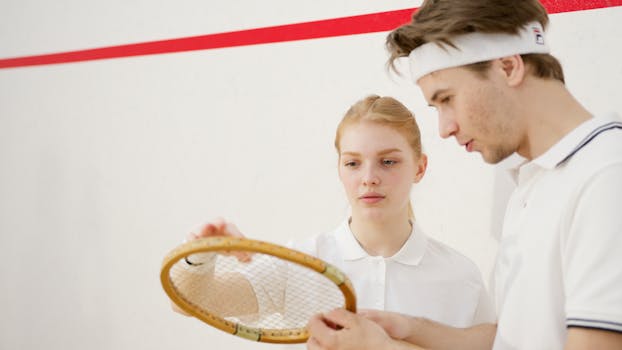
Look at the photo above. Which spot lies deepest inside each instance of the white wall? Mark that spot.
(104, 165)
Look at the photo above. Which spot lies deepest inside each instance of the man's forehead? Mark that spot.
(444, 79)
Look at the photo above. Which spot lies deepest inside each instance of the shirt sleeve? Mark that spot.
(592, 254)
(485, 311)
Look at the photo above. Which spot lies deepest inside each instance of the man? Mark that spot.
(485, 66)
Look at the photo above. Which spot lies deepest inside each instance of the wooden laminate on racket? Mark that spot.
(226, 244)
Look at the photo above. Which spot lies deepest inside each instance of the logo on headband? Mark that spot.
(538, 35)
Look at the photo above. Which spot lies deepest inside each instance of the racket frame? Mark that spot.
(228, 243)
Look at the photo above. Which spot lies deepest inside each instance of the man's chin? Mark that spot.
(495, 158)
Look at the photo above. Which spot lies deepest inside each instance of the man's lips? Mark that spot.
(468, 145)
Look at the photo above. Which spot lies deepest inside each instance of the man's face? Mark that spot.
(475, 110)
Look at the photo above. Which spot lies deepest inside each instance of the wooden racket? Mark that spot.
(268, 299)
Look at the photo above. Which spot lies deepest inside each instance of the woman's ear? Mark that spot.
(422, 165)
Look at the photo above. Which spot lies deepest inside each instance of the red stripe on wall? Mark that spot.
(370, 23)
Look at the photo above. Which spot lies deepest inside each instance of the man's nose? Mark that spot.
(447, 127)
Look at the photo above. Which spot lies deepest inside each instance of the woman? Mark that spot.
(392, 264)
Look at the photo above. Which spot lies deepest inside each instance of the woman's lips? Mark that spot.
(371, 198)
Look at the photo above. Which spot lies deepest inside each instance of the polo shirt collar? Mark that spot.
(572, 142)
(414, 249)
(569, 144)
(411, 252)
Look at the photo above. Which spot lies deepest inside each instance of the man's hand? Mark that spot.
(341, 329)
(430, 334)
(395, 324)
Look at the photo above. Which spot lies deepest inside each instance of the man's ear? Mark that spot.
(513, 68)
(422, 165)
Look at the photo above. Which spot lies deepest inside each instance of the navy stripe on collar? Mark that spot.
(590, 137)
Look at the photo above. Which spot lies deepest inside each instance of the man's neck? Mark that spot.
(551, 112)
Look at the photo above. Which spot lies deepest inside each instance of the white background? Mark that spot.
(105, 165)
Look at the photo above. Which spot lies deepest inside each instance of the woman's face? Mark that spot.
(377, 167)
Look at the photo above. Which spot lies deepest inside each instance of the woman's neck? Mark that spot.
(381, 238)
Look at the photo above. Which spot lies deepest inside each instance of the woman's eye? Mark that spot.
(350, 164)
(389, 162)
(446, 99)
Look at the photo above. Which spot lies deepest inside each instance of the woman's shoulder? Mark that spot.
(316, 244)
(451, 257)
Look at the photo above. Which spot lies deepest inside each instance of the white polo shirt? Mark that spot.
(560, 258)
(424, 278)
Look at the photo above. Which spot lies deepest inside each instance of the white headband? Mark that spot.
(476, 47)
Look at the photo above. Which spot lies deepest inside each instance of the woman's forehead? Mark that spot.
(372, 137)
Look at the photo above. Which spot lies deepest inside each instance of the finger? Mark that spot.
(312, 344)
(370, 314)
(366, 312)
(341, 317)
(190, 237)
(220, 227)
(244, 257)
(211, 229)
(233, 230)
(320, 332)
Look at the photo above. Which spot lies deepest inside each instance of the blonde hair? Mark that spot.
(385, 111)
(438, 21)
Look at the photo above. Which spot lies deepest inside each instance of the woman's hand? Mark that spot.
(219, 227)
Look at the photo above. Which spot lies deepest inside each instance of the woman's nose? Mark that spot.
(370, 177)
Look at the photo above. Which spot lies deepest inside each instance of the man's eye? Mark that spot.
(350, 164)
(446, 99)
(389, 162)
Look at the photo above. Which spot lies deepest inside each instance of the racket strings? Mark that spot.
(211, 290)
(266, 293)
